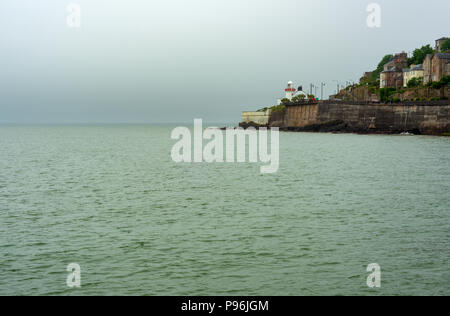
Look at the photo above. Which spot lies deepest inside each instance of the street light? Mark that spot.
(337, 82)
(322, 84)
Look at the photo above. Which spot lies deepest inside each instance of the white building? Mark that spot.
(292, 92)
(262, 117)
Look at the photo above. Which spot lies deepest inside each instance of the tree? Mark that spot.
(285, 101)
(446, 80)
(446, 45)
(298, 98)
(386, 93)
(376, 73)
(419, 55)
(415, 82)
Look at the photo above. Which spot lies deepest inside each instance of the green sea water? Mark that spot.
(110, 199)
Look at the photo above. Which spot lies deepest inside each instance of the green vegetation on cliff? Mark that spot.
(417, 58)
(369, 86)
(375, 75)
(415, 82)
(274, 108)
(299, 98)
(419, 55)
(285, 101)
(446, 45)
(277, 108)
(386, 93)
(445, 81)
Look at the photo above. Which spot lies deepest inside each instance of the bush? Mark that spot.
(285, 101)
(436, 85)
(415, 82)
(445, 81)
(386, 93)
(375, 75)
(445, 46)
(299, 98)
(277, 108)
(420, 54)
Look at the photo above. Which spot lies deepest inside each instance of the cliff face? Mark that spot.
(364, 118)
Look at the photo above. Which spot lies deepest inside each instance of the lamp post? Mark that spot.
(322, 84)
(337, 82)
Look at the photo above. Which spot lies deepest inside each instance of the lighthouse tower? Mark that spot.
(290, 90)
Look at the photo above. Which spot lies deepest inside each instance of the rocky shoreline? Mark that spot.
(337, 127)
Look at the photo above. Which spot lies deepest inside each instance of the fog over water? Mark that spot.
(174, 60)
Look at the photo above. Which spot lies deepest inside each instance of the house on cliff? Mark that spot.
(415, 71)
(365, 78)
(392, 75)
(439, 43)
(435, 67)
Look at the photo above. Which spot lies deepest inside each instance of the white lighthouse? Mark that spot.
(290, 90)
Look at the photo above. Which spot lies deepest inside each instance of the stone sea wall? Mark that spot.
(259, 118)
(419, 118)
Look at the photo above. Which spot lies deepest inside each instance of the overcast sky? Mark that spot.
(176, 60)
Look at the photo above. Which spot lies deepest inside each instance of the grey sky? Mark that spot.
(176, 60)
